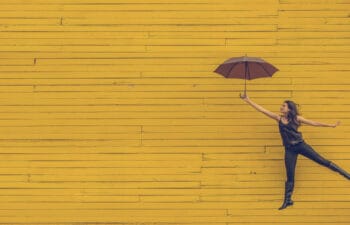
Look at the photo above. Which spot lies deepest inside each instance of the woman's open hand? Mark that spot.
(336, 124)
(244, 96)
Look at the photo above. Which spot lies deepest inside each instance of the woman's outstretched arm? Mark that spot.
(259, 108)
(315, 123)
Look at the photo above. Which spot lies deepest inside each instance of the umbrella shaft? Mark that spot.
(245, 80)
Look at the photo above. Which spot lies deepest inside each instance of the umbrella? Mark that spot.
(246, 68)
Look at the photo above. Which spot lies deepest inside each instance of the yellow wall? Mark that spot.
(110, 111)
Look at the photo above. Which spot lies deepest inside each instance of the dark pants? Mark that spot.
(291, 155)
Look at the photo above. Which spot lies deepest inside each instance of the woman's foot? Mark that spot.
(288, 190)
(286, 204)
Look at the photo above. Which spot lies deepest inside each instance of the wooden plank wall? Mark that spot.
(111, 114)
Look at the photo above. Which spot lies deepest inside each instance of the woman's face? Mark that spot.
(284, 108)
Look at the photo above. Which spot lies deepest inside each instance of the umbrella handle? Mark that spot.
(242, 96)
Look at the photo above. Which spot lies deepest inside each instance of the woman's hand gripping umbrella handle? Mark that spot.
(244, 96)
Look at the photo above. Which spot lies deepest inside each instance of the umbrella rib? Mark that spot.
(228, 75)
(264, 68)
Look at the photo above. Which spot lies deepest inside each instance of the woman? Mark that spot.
(288, 121)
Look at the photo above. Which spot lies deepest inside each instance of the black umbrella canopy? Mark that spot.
(247, 68)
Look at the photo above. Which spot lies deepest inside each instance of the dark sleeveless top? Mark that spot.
(289, 133)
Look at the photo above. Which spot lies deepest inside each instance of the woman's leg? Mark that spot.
(290, 159)
(310, 153)
(307, 151)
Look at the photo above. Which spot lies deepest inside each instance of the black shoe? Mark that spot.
(336, 168)
(289, 186)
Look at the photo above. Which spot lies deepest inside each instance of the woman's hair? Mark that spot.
(293, 112)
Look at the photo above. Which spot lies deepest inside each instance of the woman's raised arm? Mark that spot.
(260, 108)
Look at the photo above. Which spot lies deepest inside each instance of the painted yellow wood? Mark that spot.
(111, 112)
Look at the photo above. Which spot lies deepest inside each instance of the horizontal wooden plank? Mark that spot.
(99, 157)
(261, 205)
(217, 80)
(30, 21)
(75, 2)
(156, 198)
(137, 7)
(132, 179)
(165, 13)
(278, 57)
(167, 21)
(101, 185)
(272, 191)
(205, 220)
(313, 13)
(137, 27)
(180, 61)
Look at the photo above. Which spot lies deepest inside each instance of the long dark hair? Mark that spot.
(293, 112)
